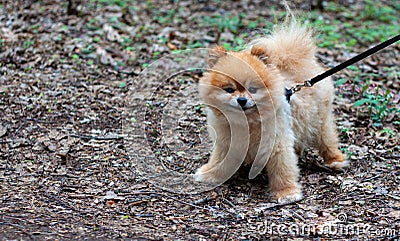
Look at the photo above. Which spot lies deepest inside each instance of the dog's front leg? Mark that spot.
(216, 170)
(225, 160)
(227, 156)
(283, 174)
(282, 170)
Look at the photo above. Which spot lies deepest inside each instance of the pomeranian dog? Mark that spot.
(251, 121)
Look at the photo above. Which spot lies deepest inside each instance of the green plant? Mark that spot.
(230, 22)
(120, 3)
(376, 10)
(335, 7)
(194, 44)
(391, 133)
(28, 43)
(92, 24)
(377, 22)
(96, 39)
(88, 49)
(348, 153)
(75, 57)
(122, 84)
(329, 33)
(378, 103)
(169, 17)
(393, 72)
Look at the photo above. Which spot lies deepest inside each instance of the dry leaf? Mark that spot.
(105, 58)
(111, 33)
(3, 130)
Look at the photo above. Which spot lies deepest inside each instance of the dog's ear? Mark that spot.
(261, 52)
(214, 54)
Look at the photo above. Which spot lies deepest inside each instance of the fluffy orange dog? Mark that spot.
(251, 121)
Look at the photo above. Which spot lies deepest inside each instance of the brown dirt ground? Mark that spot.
(77, 122)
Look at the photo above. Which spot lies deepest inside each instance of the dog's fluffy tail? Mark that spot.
(290, 47)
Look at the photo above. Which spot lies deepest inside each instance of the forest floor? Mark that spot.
(84, 117)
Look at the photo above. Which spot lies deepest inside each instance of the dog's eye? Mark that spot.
(230, 90)
(253, 90)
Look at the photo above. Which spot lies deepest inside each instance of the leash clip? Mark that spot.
(298, 87)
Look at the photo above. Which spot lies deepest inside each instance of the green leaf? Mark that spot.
(122, 85)
(375, 102)
(252, 25)
(354, 68)
(341, 81)
(360, 102)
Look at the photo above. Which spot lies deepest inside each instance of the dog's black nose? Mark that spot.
(242, 101)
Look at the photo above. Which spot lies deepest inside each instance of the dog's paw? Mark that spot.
(290, 198)
(288, 195)
(199, 176)
(337, 165)
(203, 174)
(336, 161)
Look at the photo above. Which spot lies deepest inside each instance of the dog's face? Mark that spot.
(238, 82)
(236, 93)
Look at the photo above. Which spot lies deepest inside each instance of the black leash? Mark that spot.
(347, 63)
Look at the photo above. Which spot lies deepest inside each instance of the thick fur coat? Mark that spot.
(250, 119)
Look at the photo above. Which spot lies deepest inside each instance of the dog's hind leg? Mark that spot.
(328, 145)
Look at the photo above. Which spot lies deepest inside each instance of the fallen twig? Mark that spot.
(203, 200)
(186, 203)
(19, 227)
(298, 215)
(228, 202)
(102, 138)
